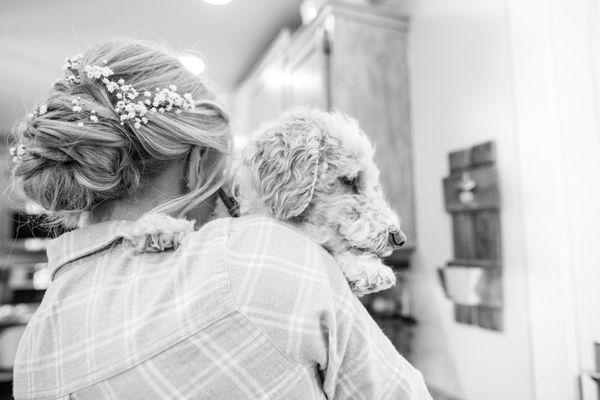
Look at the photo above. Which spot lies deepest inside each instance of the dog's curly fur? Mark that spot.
(315, 170)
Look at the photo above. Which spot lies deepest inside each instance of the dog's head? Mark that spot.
(317, 169)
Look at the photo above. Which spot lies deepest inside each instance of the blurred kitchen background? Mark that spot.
(485, 114)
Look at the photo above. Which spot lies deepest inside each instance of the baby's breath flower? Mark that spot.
(163, 100)
(97, 72)
(17, 153)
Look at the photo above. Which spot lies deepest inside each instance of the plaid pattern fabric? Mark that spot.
(245, 308)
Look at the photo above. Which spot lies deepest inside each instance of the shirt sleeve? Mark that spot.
(362, 362)
(294, 291)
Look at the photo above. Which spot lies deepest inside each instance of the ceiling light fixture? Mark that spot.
(193, 63)
(217, 2)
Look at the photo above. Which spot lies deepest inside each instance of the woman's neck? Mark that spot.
(169, 184)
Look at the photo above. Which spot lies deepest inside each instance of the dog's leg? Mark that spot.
(365, 273)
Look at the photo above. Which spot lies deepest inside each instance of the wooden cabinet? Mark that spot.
(350, 58)
(260, 96)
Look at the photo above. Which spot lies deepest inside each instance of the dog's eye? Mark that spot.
(351, 183)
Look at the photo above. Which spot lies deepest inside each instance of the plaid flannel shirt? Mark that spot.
(245, 308)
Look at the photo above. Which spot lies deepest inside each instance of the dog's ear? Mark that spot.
(284, 160)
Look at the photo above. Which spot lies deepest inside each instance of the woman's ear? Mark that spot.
(284, 160)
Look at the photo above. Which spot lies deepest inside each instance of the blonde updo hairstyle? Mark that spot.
(70, 169)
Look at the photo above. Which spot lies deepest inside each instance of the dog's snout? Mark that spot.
(396, 237)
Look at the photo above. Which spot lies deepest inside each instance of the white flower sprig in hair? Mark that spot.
(126, 106)
(71, 69)
(17, 152)
(39, 110)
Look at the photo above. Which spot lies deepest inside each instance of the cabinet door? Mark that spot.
(369, 81)
(260, 97)
(260, 102)
(308, 72)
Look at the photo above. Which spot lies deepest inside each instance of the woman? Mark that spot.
(243, 308)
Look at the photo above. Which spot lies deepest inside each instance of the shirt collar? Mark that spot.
(76, 244)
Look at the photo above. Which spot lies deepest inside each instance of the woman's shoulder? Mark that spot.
(256, 233)
(261, 233)
(264, 256)
(259, 241)
(284, 282)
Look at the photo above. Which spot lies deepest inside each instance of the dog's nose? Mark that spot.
(397, 237)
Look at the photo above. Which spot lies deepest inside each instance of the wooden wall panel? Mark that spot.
(472, 197)
(487, 235)
(369, 81)
(308, 76)
(464, 236)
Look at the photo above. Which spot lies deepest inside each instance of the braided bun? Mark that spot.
(79, 154)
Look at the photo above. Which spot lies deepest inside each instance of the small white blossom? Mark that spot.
(162, 100)
(111, 86)
(17, 153)
(72, 79)
(80, 124)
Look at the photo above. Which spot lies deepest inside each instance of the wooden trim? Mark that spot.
(382, 17)
(277, 46)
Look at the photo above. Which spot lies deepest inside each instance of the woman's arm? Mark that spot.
(362, 362)
(293, 290)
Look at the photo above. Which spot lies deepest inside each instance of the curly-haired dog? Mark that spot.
(316, 171)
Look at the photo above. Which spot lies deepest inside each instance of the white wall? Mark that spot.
(524, 74)
(461, 87)
(556, 108)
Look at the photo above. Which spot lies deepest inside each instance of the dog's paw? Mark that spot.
(365, 273)
(159, 232)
